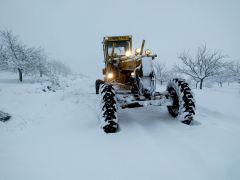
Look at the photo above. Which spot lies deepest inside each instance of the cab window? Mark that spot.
(120, 48)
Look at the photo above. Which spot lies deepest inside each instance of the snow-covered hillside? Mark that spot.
(56, 135)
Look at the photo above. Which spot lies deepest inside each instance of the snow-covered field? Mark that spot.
(56, 136)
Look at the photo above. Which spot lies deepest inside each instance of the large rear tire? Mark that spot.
(109, 121)
(183, 101)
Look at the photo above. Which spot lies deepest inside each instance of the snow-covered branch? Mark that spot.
(204, 65)
(16, 56)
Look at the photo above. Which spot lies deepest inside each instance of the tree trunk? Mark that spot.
(196, 84)
(20, 74)
(201, 83)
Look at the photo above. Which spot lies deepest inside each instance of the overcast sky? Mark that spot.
(72, 30)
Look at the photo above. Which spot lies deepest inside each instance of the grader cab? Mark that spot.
(117, 50)
(129, 81)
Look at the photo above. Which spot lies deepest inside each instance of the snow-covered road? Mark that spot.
(57, 136)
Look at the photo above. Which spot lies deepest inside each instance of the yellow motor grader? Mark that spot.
(129, 81)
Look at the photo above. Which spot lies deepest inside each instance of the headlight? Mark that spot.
(148, 52)
(137, 50)
(133, 74)
(128, 53)
(110, 75)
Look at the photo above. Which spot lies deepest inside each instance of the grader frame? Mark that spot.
(129, 82)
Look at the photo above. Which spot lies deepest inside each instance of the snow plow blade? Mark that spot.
(131, 105)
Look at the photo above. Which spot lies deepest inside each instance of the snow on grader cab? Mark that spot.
(129, 82)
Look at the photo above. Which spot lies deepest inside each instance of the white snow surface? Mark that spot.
(57, 136)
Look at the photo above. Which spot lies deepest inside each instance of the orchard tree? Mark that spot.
(41, 61)
(20, 57)
(162, 74)
(15, 50)
(37, 62)
(205, 64)
(235, 71)
(4, 59)
(31, 61)
(224, 74)
(59, 68)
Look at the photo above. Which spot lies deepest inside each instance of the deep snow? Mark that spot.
(56, 135)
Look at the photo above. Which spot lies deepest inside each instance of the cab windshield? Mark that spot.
(120, 48)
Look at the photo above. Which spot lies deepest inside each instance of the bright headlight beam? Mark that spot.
(110, 75)
(128, 53)
(137, 50)
(148, 52)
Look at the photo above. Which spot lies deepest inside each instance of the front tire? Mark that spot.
(109, 121)
(183, 101)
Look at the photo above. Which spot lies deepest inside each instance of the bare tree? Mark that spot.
(30, 61)
(224, 74)
(205, 64)
(15, 50)
(41, 63)
(37, 62)
(20, 57)
(235, 71)
(59, 68)
(162, 74)
(3, 59)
